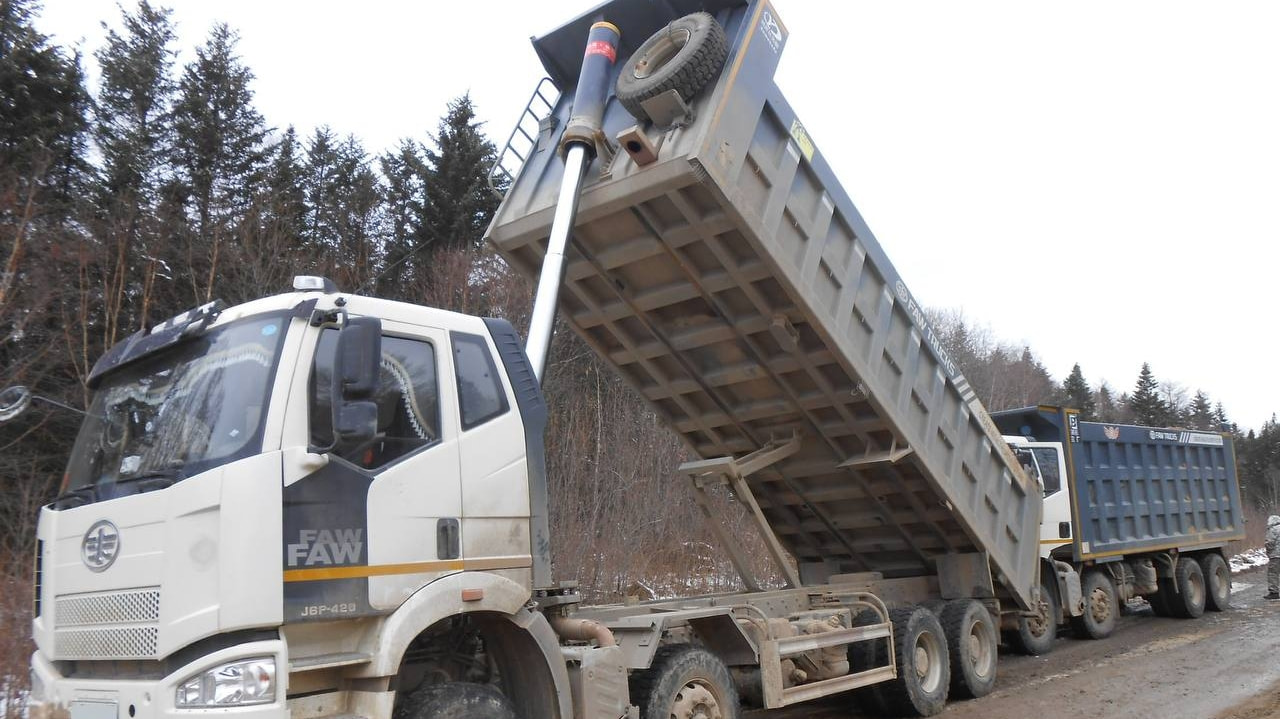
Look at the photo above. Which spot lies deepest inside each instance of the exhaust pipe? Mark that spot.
(579, 147)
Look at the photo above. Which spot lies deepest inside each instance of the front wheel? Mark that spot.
(1035, 635)
(924, 666)
(1217, 577)
(456, 700)
(1101, 608)
(685, 682)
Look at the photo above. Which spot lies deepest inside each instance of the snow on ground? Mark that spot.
(1251, 559)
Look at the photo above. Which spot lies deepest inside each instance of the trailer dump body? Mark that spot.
(734, 284)
(1139, 489)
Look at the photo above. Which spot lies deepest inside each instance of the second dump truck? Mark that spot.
(319, 504)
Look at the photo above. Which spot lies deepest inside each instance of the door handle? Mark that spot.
(448, 539)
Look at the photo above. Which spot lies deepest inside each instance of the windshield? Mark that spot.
(195, 406)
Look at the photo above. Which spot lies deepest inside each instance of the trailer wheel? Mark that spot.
(1035, 635)
(683, 56)
(924, 667)
(1188, 603)
(1217, 577)
(971, 638)
(456, 700)
(1101, 608)
(685, 682)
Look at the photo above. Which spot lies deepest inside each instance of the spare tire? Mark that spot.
(683, 56)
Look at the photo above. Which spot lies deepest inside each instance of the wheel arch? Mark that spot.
(523, 644)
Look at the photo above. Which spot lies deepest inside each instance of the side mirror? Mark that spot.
(355, 380)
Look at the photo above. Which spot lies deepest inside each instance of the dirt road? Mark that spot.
(1221, 666)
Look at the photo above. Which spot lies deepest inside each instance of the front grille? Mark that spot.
(107, 625)
(116, 643)
(130, 607)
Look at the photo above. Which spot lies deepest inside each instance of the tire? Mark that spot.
(684, 56)
(685, 682)
(1034, 636)
(1101, 607)
(924, 666)
(972, 645)
(1160, 600)
(863, 656)
(1217, 579)
(1189, 602)
(455, 700)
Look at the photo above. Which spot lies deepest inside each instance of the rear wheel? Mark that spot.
(1035, 635)
(924, 671)
(685, 682)
(971, 639)
(1188, 603)
(1160, 600)
(1100, 607)
(1217, 578)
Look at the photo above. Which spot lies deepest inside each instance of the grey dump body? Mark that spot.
(734, 284)
(1139, 489)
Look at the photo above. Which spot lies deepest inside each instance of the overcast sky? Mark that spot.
(1098, 179)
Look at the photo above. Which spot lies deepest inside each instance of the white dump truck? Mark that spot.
(320, 504)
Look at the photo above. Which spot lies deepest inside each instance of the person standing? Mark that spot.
(1273, 557)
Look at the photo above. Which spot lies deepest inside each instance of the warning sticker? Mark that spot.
(599, 47)
(802, 139)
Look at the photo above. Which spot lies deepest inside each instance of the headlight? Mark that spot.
(252, 681)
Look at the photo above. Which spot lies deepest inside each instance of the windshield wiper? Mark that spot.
(155, 479)
(77, 497)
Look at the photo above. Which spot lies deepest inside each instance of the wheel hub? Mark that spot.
(922, 662)
(696, 701)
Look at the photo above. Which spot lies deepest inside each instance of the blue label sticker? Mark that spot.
(268, 330)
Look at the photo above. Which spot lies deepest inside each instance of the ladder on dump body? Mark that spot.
(535, 121)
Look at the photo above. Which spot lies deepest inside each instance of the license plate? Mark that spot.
(94, 710)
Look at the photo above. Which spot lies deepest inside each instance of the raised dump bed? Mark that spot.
(734, 284)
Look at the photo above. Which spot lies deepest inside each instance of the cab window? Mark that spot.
(407, 398)
(1047, 458)
(480, 395)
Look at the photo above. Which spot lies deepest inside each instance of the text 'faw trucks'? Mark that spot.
(320, 504)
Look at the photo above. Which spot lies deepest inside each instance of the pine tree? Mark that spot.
(405, 173)
(134, 128)
(219, 149)
(459, 202)
(1106, 406)
(343, 205)
(1201, 414)
(1145, 402)
(1076, 393)
(42, 111)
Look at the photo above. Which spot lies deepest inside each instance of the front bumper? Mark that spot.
(54, 696)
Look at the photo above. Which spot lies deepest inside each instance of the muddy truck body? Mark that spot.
(1133, 511)
(320, 504)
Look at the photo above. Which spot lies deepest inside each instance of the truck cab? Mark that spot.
(1044, 461)
(279, 485)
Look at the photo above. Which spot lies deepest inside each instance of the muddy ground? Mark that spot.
(1221, 666)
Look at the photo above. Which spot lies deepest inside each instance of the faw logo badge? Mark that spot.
(1113, 433)
(101, 546)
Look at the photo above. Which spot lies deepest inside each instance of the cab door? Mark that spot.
(363, 529)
